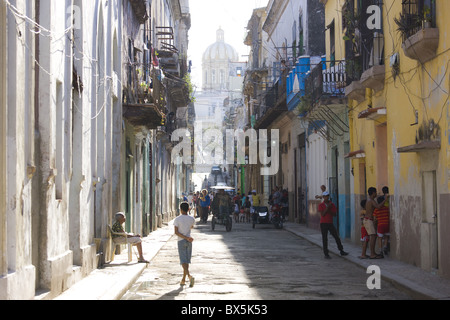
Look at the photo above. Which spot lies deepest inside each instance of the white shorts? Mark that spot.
(123, 240)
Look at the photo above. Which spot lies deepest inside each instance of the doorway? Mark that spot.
(429, 228)
(381, 154)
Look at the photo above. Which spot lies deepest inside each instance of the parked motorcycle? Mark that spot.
(277, 218)
(261, 216)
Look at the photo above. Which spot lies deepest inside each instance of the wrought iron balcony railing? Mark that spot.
(327, 80)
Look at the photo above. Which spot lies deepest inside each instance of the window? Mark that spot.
(332, 43)
(222, 77)
(301, 36)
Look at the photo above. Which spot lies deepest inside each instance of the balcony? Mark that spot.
(417, 25)
(325, 85)
(273, 103)
(356, 91)
(373, 78)
(140, 10)
(144, 104)
(296, 81)
(422, 46)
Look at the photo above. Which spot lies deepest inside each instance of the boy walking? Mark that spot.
(183, 225)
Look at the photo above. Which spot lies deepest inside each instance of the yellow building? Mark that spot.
(397, 54)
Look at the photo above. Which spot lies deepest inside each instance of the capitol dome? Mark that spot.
(217, 59)
(220, 50)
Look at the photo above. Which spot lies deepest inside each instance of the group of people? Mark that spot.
(183, 225)
(244, 205)
(280, 198)
(200, 202)
(374, 217)
(375, 224)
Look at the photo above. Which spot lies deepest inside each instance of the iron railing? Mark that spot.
(328, 79)
(417, 14)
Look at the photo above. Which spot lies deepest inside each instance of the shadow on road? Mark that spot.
(279, 265)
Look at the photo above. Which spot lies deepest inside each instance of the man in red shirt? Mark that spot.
(327, 211)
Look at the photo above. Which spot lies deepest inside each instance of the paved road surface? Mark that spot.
(253, 264)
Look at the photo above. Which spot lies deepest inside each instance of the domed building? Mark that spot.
(216, 64)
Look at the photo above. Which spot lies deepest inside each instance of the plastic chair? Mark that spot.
(113, 247)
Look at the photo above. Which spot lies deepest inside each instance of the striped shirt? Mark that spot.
(382, 215)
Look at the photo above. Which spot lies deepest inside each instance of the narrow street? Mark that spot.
(255, 264)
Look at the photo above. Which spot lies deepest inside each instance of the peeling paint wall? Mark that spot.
(417, 111)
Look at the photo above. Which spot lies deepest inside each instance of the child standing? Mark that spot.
(364, 234)
(382, 217)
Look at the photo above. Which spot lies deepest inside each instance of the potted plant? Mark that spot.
(407, 24)
(427, 17)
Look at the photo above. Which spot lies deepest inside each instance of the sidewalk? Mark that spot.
(112, 282)
(413, 280)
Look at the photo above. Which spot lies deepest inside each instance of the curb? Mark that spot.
(414, 289)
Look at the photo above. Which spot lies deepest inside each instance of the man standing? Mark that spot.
(205, 202)
(183, 225)
(327, 211)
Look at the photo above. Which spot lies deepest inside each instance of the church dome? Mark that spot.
(220, 50)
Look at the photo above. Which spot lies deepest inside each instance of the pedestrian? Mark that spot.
(323, 188)
(247, 206)
(205, 202)
(276, 196)
(222, 202)
(133, 239)
(190, 201)
(197, 204)
(183, 225)
(255, 200)
(371, 205)
(243, 199)
(364, 235)
(327, 211)
(284, 204)
(381, 216)
(236, 211)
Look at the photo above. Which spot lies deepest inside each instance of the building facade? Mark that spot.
(397, 91)
(285, 45)
(73, 153)
(216, 107)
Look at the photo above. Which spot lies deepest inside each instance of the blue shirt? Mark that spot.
(207, 201)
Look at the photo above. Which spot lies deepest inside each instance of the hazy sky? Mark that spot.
(207, 16)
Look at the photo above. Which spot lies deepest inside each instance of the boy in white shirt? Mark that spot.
(183, 225)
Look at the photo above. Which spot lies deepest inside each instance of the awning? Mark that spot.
(421, 146)
(372, 113)
(355, 154)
